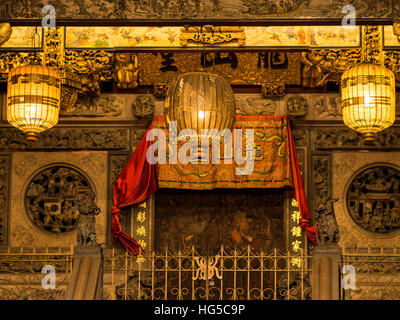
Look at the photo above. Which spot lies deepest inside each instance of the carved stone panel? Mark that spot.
(346, 138)
(321, 175)
(51, 198)
(25, 179)
(116, 164)
(4, 191)
(373, 199)
(61, 138)
(345, 171)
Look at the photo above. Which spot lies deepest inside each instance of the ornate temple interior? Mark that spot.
(200, 150)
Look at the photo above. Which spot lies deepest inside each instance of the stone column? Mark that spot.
(326, 268)
(86, 281)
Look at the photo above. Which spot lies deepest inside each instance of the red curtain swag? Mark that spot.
(298, 191)
(135, 184)
(138, 181)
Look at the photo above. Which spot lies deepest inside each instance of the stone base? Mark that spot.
(86, 282)
(326, 268)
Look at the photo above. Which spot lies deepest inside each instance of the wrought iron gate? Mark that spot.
(236, 274)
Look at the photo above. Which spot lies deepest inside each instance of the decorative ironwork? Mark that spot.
(232, 274)
(373, 199)
(51, 198)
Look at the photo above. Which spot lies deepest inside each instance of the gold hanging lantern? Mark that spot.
(33, 99)
(368, 99)
(201, 101)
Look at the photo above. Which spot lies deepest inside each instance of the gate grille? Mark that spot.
(236, 274)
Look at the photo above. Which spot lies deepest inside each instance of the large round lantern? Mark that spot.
(33, 99)
(201, 101)
(368, 99)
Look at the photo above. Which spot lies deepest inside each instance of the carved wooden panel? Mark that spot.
(373, 199)
(209, 219)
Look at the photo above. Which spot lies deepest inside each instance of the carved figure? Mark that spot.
(143, 107)
(127, 70)
(327, 227)
(87, 221)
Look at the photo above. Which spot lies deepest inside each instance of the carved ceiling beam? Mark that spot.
(239, 12)
(83, 70)
(321, 66)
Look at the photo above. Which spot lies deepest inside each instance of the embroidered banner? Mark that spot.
(270, 153)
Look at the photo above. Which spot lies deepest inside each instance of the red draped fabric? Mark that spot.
(135, 184)
(299, 193)
(138, 181)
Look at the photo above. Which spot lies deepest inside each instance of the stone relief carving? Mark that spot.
(339, 138)
(321, 180)
(103, 106)
(328, 106)
(4, 184)
(138, 135)
(254, 105)
(373, 199)
(296, 106)
(347, 165)
(52, 198)
(326, 225)
(67, 138)
(87, 221)
(300, 137)
(117, 163)
(143, 107)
